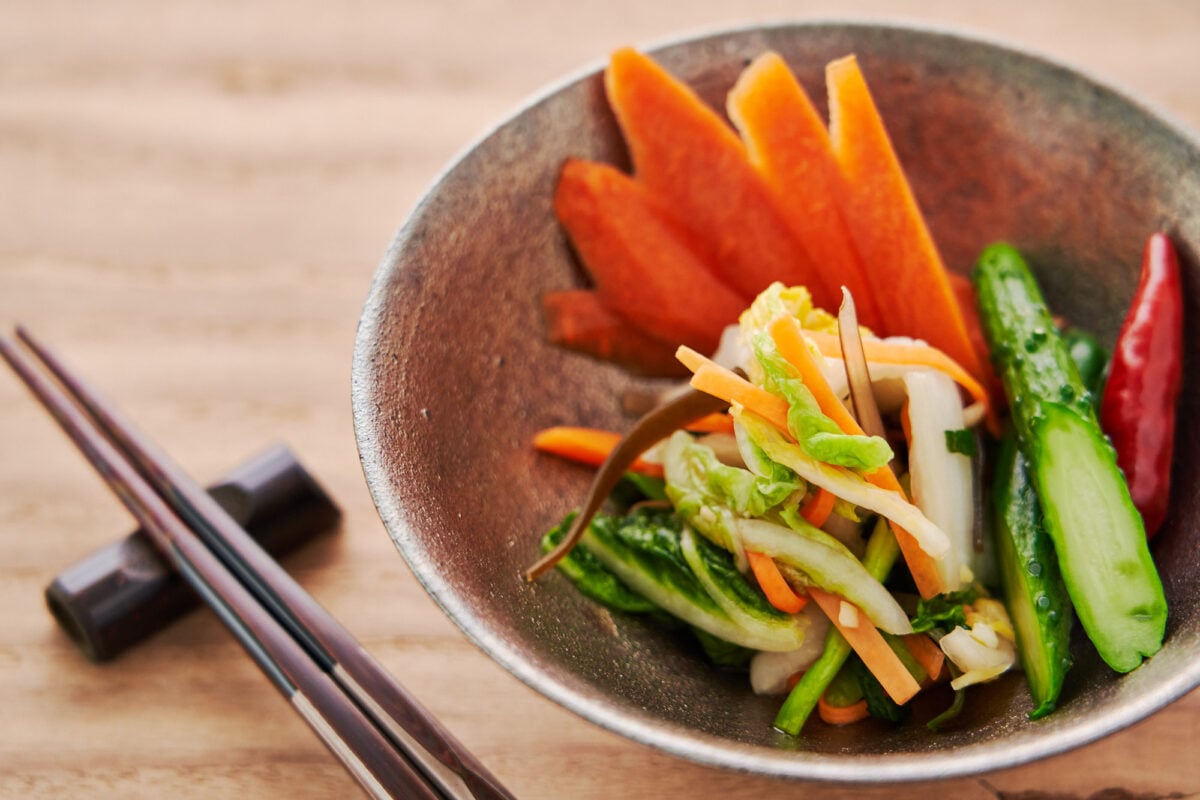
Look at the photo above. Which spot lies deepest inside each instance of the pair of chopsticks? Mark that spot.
(391, 745)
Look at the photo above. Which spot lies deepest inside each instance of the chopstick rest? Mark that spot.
(124, 592)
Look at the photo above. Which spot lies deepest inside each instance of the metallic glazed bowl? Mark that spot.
(452, 377)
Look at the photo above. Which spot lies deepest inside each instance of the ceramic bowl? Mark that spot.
(452, 377)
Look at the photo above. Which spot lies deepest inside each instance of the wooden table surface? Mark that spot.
(193, 200)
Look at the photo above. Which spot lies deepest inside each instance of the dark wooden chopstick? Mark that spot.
(282, 627)
(370, 758)
(446, 762)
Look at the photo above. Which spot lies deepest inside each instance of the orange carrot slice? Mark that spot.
(872, 648)
(779, 593)
(641, 262)
(686, 154)
(726, 384)
(842, 715)
(927, 654)
(964, 295)
(789, 146)
(903, 264)
(918, 355)
(713, 423)
(577, 320)
(693, 360)
(588, 446)
(789, 340)
(818, 507)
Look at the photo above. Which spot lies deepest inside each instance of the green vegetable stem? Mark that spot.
(882, 552)
(1090, 357)
(1096, 530)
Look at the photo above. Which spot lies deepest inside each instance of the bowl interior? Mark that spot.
(452, 377)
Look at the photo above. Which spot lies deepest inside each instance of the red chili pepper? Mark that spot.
(1138, 407)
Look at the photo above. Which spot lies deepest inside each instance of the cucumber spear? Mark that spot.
(1033, 587)
(1097, 532)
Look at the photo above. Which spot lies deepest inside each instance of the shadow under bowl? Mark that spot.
(452, 377)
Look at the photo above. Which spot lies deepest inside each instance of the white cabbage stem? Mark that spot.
(770, 672)
(941, 480)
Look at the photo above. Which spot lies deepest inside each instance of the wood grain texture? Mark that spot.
(194, 197)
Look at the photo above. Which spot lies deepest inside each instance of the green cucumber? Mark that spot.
(1097, 532)
(1036, 598)
(1090, 357)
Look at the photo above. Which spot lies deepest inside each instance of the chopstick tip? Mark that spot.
(22, 333)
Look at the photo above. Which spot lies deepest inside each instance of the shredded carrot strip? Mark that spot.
(711, 378)
(713, 423)
(842, 715)
(927, 653)
(774, 586)
(588, 446)
(691, 359)
(818, 506)
(917, 355)
(789, 340)
(872, 648)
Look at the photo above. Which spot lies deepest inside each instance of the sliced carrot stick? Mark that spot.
(818, 506)
(872, 648)
(713, 423)
(686, 154)
(726, 384)
(927, 653)
(917, 355)
(644, 268)
(587, 446)
(693, 360)
(577, 320)
(842, 715)
(774, 586)
(789, 146)
(789, 340)
(903, 264)
(720, 382)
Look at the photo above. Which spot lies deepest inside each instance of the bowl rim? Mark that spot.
(974, 759)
